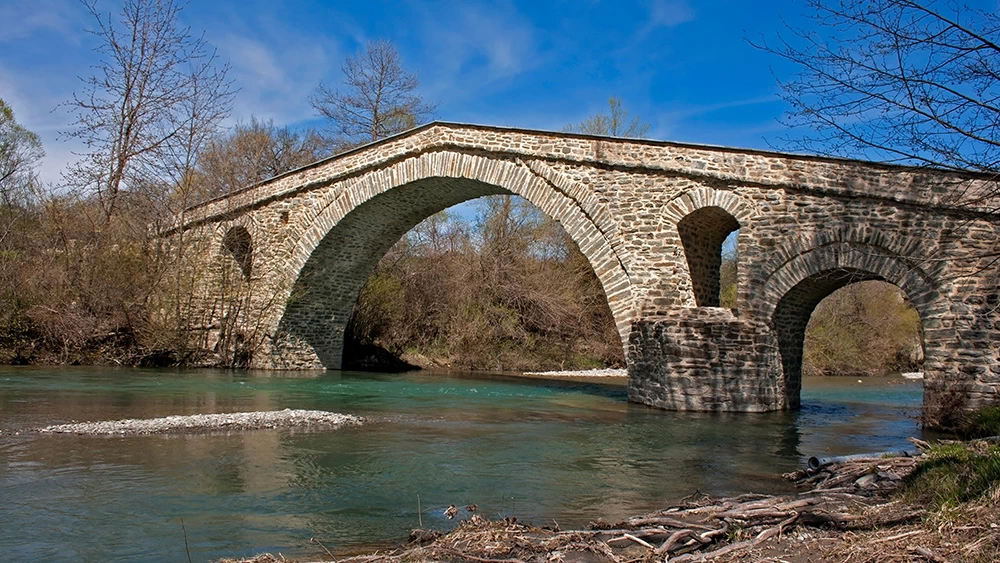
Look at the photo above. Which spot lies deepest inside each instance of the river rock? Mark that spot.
(208, 422)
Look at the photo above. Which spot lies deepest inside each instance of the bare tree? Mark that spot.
(20, 151)
(377, 97)
(898, 81)
(155, 94)
(615, 123)
(253, 152)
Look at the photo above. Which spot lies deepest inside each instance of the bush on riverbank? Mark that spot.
(955, 473)
(866, 328)
(981, 423)
(508, 290)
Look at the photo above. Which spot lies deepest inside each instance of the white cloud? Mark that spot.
(36, 99)
(663, 14)
(673, 123)
(275, 72)
(252, 59)
(32, 17)
(702, 109)
(670, 13)
(472, 48)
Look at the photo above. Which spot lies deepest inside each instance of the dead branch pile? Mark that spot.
(847, 496)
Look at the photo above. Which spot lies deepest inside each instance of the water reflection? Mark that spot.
(551, 451)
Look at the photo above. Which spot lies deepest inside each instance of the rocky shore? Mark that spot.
(287, 418)
(606, 376)
(609, 372)
(858, 510)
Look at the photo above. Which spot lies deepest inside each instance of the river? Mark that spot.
(542, 451)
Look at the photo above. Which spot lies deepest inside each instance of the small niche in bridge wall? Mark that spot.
(702, 233)
(240, 246)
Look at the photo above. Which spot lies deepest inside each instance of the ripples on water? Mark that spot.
(542, 451)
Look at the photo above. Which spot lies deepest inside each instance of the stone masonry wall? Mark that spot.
(706, 359)
(650, 217)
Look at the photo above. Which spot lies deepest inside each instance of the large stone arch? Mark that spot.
(792, 291)
(358, 223)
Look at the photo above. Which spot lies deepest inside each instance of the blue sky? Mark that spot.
(684, 66)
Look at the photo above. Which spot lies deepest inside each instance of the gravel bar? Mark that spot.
(208, 422)
(582, 373)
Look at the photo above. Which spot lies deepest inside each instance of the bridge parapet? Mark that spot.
(719, 164)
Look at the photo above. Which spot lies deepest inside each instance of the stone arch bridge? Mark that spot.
(651, 218)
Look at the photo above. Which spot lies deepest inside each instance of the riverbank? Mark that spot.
(873, 509)
(608, 376)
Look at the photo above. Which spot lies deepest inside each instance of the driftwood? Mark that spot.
(845, 496)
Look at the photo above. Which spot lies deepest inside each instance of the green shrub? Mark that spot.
(953, 474)
(982, 423)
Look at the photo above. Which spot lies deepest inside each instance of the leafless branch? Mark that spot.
(376, 98)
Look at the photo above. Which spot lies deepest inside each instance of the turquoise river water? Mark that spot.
(542, 451)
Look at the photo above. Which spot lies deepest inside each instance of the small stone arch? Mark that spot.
(364, 216)
(704, 218)
(702, 233)
(692, 200)
(239, 244)
(792, 292)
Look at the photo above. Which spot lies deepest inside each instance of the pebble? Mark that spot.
(582, 373)
(208, 422)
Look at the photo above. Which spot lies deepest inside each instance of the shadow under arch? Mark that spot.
(239, 244)
(345, 241)
(703, 218)
(802, 283)
(702, 233)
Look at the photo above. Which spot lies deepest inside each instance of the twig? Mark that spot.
(928, 554)
(675, 539)
(766, 534)
(639, 541)
(898, 536)
(604, 549)
(666, 521)
(187, 549)
(319, 543)
(713, 554)
(480, 559)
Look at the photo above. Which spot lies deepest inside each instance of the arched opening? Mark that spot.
(240, 246)
(868, 328)
(857, 324)
(729, 271)
(362, 228)
(703, 233)
(492, 283)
